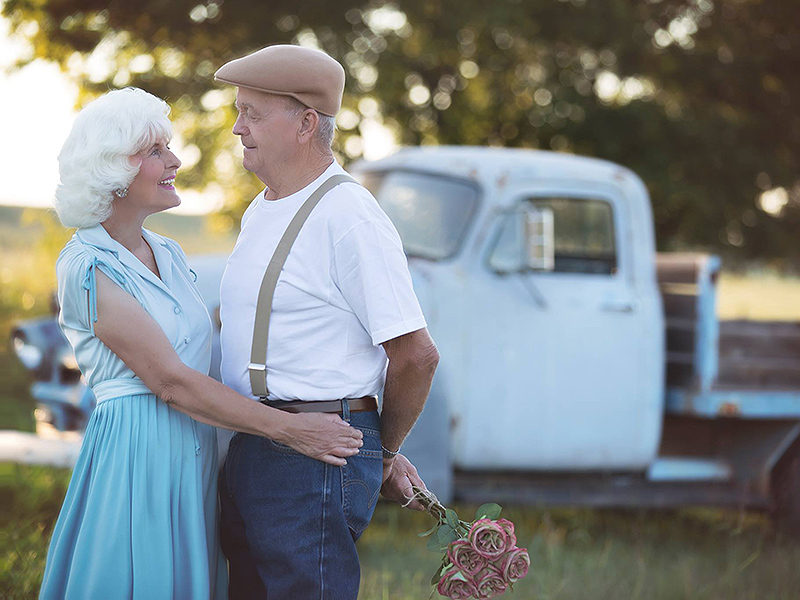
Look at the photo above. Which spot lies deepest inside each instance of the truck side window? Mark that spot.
(584, 237)
(431, 212)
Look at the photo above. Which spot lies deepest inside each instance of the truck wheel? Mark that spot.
(786, 490)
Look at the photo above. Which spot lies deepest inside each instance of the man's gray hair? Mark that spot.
(327, 125)
(94, 161)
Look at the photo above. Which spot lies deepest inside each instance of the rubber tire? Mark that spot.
(786, 491)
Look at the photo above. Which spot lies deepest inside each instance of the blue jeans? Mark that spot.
(290, 523)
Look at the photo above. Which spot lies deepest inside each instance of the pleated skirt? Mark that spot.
(140, 517)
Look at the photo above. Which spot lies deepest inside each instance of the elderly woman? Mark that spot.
(140, 516)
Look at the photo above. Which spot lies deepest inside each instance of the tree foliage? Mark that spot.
(699, 97)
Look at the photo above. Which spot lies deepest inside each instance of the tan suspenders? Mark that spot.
(258, 353)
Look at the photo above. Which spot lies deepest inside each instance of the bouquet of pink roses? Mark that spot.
(481, 558)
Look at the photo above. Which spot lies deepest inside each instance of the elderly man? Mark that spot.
(318, 313)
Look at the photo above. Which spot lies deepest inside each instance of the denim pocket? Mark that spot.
(361, 482)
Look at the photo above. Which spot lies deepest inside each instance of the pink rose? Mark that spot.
(489, 539)
(516, 564)
(456, 586)
(508, 526)
(465, 558)
(490, 583)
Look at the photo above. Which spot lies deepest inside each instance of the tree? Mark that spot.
(697, 97)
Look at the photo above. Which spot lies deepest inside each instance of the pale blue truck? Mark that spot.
(578, 366)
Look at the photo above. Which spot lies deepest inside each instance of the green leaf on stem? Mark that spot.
(452, 518)
(446, 534)
(488, 511)
(434, 545)
(430, 531)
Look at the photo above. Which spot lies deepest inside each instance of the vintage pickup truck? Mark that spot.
(577, 365)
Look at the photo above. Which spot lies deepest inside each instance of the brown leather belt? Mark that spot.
(363, 404)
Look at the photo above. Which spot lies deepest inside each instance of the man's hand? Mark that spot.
(398, 477)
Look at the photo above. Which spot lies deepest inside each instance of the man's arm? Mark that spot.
(413, 358)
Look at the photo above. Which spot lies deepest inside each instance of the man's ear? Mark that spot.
(308, 125)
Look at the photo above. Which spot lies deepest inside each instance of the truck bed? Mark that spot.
(728, 368)
(759, 355)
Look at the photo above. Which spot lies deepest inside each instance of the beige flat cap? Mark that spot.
(310, 76)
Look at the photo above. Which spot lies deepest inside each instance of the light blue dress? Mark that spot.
(139, 520)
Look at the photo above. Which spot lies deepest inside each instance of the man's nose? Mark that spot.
(238, 127)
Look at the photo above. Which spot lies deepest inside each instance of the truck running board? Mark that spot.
(610, 490)
(682, 468)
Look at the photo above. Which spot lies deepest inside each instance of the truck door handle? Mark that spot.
(618, 306)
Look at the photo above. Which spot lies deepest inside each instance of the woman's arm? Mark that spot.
(135, 337)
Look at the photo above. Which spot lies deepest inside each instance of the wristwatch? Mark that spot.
(388, 454)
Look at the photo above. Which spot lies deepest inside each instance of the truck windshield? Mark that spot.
(431, 213)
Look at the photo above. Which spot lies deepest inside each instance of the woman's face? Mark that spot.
(153, 188)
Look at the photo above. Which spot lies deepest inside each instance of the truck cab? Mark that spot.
(556, 366)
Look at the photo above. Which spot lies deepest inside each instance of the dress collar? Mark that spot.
(99, 238)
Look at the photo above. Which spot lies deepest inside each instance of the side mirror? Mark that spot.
(539, 239)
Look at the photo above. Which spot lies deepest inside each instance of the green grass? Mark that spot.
(31, 498)
(592, 554)
(576, 554)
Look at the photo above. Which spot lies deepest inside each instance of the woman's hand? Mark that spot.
(325, 437)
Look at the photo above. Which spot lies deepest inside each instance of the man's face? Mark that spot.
(267, 130)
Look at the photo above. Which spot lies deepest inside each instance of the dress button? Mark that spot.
(177, 310)
(186, 340)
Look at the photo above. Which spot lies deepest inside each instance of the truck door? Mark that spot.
(555, 354)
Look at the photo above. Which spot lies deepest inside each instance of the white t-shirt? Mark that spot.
(344, 289)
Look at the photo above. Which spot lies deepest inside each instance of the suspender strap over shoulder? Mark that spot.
(258, 354)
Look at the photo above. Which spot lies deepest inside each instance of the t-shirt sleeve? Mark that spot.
(371, 271)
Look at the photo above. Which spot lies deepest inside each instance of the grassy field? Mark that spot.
(576, 554)
(758, 298)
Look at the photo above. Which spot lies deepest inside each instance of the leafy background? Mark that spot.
(699, 97)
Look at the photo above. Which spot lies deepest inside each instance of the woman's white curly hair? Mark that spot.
(93, 162)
